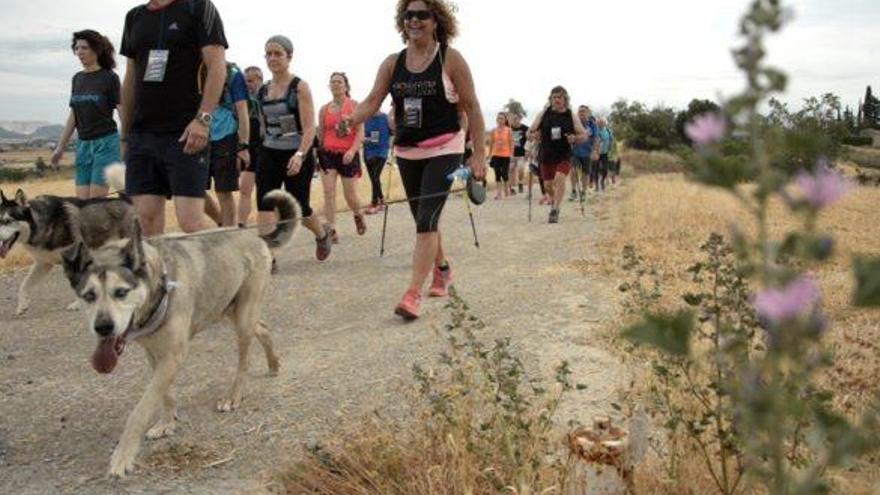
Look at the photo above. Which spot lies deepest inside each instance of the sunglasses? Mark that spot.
(422, 15)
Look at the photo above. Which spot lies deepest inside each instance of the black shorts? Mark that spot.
(157, 166)
(581, 163)
(332, 160)
(272, 174)
(254, 151)
(224, 165)
(501, 166)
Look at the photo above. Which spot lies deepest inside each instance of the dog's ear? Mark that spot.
(76, 260)
(3, 199)
(133, 252)
(20, 198)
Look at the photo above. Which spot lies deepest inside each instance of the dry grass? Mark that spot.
(667, 218)
(26, 158)
(864, 156)
(19, 257)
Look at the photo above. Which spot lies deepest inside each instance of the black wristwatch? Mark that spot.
(243, 146)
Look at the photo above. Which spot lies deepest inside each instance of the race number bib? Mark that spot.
(287, 124)
(412, 112)
(555, 133)
(157, 62)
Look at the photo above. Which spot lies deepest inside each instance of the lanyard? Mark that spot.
(162, 29)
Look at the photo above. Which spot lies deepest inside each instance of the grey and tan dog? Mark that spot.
(163, 291)
(46, 225)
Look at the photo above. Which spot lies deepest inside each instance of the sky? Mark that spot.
(658, 52)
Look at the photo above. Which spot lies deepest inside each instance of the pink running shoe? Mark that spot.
(409, 307)
(441, 283)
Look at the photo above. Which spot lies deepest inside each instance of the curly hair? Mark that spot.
(559, 90)
(443, 13)
(99, 44)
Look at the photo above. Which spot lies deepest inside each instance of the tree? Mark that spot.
(515, 108)
(871, 111)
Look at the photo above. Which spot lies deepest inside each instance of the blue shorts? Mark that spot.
(157, 166)
(92, 156)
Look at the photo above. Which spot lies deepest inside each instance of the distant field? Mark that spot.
(864, 156)
(27, 158)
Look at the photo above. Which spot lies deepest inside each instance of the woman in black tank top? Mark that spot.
(557, 128)
(428, 141)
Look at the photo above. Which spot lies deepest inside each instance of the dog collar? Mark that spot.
(157, 316)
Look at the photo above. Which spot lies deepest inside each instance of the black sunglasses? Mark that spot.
(422, 15)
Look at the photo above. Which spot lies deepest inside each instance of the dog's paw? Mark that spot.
(274, 367)
(22, 308)
(74, 306)
(229, 404)
(161, 430)
(120, 464)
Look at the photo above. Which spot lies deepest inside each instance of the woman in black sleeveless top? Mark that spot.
(431, 86)
(557, 128)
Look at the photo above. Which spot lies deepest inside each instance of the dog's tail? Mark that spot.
(289, 216)
(115, 174)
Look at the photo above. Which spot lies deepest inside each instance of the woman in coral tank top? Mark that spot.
(501, 144)
(339, 154)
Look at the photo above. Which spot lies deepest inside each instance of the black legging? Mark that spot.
(501, 166)
(374, 170)
(423, 178)
(272, 173)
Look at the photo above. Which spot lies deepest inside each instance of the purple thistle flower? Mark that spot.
(784, 304)
(823, 187)
(706, 129)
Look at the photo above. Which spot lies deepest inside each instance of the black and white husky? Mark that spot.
(46, 225)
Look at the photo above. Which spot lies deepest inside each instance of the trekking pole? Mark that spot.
(466, 175)
(530, 195)
(385, 215)
(467, 203)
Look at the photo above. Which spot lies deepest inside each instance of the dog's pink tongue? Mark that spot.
(105, 356)
(4, 249)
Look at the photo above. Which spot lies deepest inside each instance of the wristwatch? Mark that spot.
(204, 118)
(243, 146)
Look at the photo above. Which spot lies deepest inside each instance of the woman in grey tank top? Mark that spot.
(288, 114)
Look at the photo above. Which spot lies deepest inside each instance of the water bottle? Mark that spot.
(461, 172)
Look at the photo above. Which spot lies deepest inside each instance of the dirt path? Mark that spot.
(343, 353)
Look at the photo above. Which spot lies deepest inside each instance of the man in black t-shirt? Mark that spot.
(167, 107)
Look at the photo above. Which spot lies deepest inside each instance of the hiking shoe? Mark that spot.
(583, 196)
(554, 216)
(409, 307)
(441, 283)
(360, 224)
(573, 196)
(323, 246)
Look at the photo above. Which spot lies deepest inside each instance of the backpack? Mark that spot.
(291, 99)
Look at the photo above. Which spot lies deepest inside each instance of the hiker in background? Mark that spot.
(288, 115)
(606, 140)
(93, 97)
(165, 119)
(430, 84)
(501, 145)
(247, 181)
(581, 154)
(338, 154)
(614, 160)
(557, 128)
(518, 163)
(230, 140)
(377, 138)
